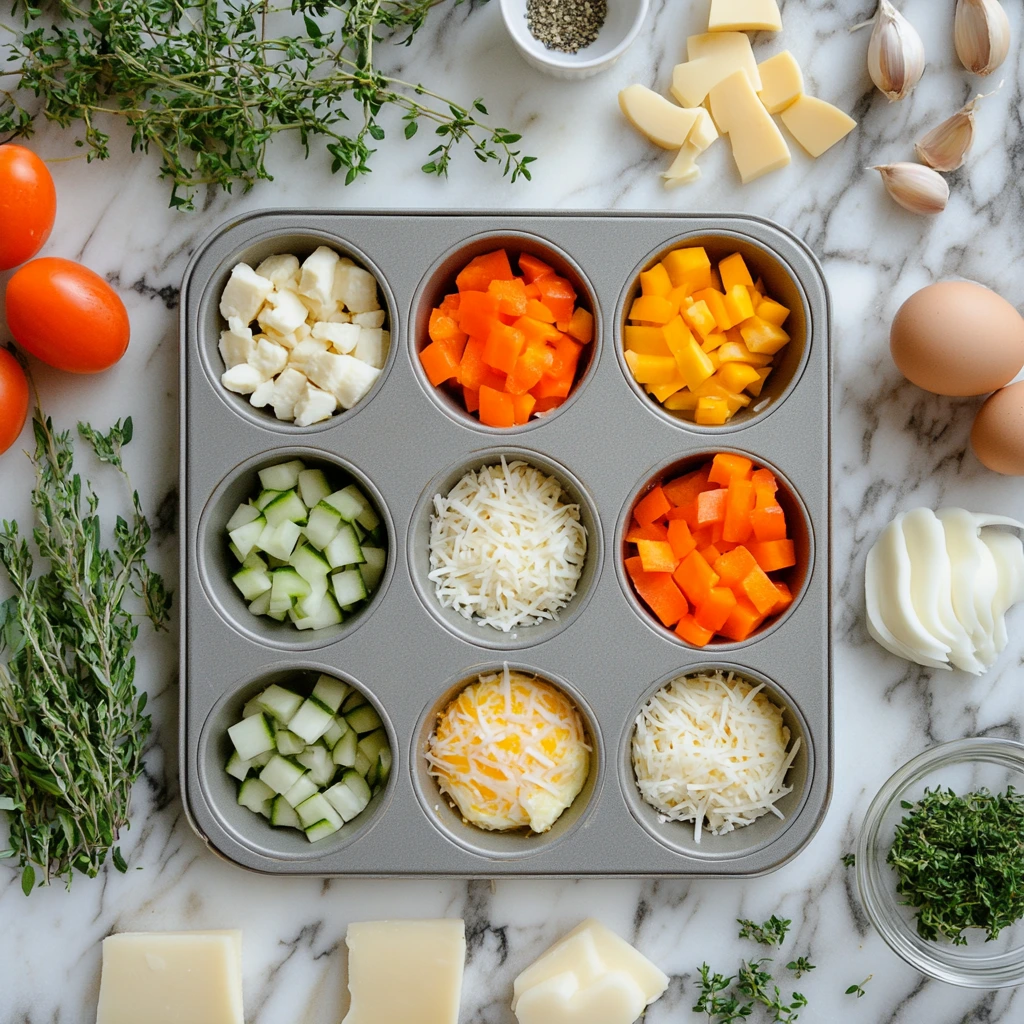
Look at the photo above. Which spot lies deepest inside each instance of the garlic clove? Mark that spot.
(915, 187)
(895, 53)
(946, 146)
(981, 31)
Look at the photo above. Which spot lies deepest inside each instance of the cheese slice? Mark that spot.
(782, 82)
(757, 144)
(744, 16)
(703, 132)
(712, 57)
(816, 125)
(664, 123)
(171, 977)
(684, 168)
(405, 971)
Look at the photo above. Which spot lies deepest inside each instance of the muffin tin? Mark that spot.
(405, 442)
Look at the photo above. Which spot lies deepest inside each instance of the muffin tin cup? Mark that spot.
(404, 446)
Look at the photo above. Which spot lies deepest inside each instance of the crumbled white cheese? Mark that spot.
(347, 378)
(269, 358)
(243, 379)
(317, 280)
(282, 269)
(263, 395)
(283, 312)
(313, 406)
(244, 294)
(375, 318)
(341, 337)
(288, 389)
(236, 344)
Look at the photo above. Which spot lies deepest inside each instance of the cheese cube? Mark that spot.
(317, 279)
(170, 977)
(314, 405)
(244, 294)
(282, 269)
(355, 287)
(243, 379)
(684, 168)
(236, 344)
(375, 318)
(284, 312)
(288, 389)
(664, 123)
(305, 351)
(372, 346)
(712, 58)
(345, 377)
(744, 16)
(782, 82)
(757, 144)
(405, 971)
(263, 395)
(341, 337)
(816, 125)
(270, 359)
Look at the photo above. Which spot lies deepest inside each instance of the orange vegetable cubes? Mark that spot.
(701, 549)
(717, 327)
(507, 345)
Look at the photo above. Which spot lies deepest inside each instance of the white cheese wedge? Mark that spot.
(405, 972)
(684, 168)
(171, 977)
(282, 269)
(372, 346)
(288, 389)
(236, 343)
(244, 294)
(744, 16)
(243, 379)
(317, 279)
(816, 125)
(269, 358)
(283, 312)
(713, 57)
(664, 123)
(347, 378)
(263, 395)
(341, 337)
(782, 82)
(757, 144)
(356, 288)
(314, 405)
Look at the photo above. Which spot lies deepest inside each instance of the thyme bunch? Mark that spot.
(207, 84)
(72, 725)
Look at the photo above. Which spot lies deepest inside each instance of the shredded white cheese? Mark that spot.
(711, 747)
(505, 548)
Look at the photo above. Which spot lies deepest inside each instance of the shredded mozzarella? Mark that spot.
(504, 548)
(711, 747)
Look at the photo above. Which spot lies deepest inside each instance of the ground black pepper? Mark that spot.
(566, 25)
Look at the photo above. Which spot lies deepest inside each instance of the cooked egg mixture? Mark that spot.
(511, 752)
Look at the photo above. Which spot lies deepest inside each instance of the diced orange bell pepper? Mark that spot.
(443, 327)
(773, 555)
(712, 612)
(496, 408)
(532, 268)
(558, 295)
(690, 630)
(494, 379)
(710, 553)
(482, 270)
(658, 592)
(547, 404)
(656, 281)
(735, 566)
(785, 600)
(537, 330)
(683, 490)
(511, 296)
(652, 506)
(472, 367)
(712, 412)
(565, 357)
(742, 621)
(739, 305)
(680, 538)
(450, 305)
(522, 408)
(653, 531)
(756, 387)
(733, 270)
(772, 312)
(471, 398)
(760, 591)
(439, 363)
(581, 326)
(503, 346)
(536, 310)
(695, 577)
(478, 310)
(739, 505)
(689, 268)
(656, 556)
(765, 487)
(769, 523)
(711, 506)
(715, 301)
(534, 361)
(726, 467)
(552, 387)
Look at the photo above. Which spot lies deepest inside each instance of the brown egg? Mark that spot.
(958, 338)
(998, 434)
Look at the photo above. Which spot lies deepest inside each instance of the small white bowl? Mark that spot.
(620, 28)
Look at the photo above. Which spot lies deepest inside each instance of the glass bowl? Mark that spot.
(963, 766)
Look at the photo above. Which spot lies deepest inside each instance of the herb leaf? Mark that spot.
(770, 933)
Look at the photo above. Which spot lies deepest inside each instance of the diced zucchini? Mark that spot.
(353, 778)
(354, 700)
(330, 691)
(314, 809)
(254, 561)
(384, 762)
(313, 487)
(312, 720)
(261, 606)
(302, 790)
(344, 549)
(373, 568)
(234, 550)
(323, 525)
(310, 605)
(265, 497)
(329, 615)
(281, 774)
(364, 719)
(344, 801)
(288, 743)
(243, 514)
(346, 503)
(246, 537)
(254, 794)
(309, 563)
(287, 587)
(362, 764)
(352, 497)
(253, 707)
(318, 760)
(349, 588)
(280, 540)
(261, 759)
(344, 752)
(286, 507)
(373, 743)
(335, 731)
(277, 616)
(361, 532)
(282, 814)
(236, 767)
(324, 828)
(282, 477)
(251, 737)
(280, 703)
(251, 582)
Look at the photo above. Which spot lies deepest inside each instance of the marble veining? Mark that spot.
(894, 447)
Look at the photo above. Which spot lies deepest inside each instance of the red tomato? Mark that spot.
(28, 204)
(13, 399)
(67, 316)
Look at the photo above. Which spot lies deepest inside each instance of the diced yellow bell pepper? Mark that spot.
(756, 388)
(711, 412)
(763, 337)
(689, 268)
(773, 312)
(715, 301)
(694, 364)
(648, 341)
(682, 401)
(662, 392)
(735, 377)
(652, 369)
(700, 318)
(734, 271)
(653, 309)
(656, 281)
(713, 341)
(713, 388)
(716, 361)
(738, 304)
(733, 352)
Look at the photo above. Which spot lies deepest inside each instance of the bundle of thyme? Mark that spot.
(72, 724)
(207, 84)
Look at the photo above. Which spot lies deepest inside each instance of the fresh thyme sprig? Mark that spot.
(800, 966)
(723, 1002)
(207, 85)
(769, 933)
(72, 724)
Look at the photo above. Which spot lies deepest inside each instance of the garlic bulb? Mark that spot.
(981, 32)
(946, 146)
(895, 53)
(915, 187)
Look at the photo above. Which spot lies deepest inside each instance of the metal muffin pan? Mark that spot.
(404, 442)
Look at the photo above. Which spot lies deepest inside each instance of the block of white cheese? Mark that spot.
(590, 976)
(712, 57)
(405, 972)
(816, 125)
(782, 82)
(171, 978)
(664, 123)
(744, 16)
(757, 144)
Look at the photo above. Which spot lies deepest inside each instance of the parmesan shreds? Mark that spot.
(505, 549)
(711, 748)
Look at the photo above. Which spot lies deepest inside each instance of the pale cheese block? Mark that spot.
(405, 971)
(744, 16)
(782, 82)
(171, 977)
(704, 132)
(712, 58)
(816, 125)
(614, 998)
(684, 169)
(664, 123)
(757, 144)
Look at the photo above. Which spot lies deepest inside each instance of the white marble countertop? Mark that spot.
(895, 447)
